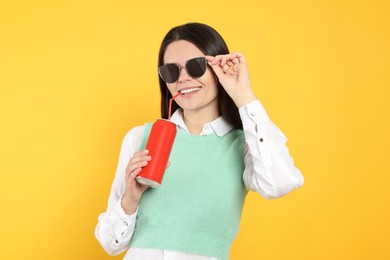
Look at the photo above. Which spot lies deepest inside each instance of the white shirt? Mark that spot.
(269, 171)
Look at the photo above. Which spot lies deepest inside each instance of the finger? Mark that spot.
(230, 63)
(217, 69)
(218, 59)
(239, 56)
(136, 165)
(140, 158)
(137, 162)
(235, 60)
(142, 152)
(215, 61)
(141, 155)
(224, 59)
(209, 58)
(135, 173)
(130, 176)
(225, 68)
(235, 55)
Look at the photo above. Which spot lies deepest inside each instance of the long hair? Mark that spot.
(210, 42)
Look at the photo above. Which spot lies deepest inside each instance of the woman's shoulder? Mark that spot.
(135, 132)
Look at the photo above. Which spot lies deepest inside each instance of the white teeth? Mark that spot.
(185, 91)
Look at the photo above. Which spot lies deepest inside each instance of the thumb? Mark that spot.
(215, 65)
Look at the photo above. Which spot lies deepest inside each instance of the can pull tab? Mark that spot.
(170, 104)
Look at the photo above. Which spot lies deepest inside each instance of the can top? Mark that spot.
(166, 120)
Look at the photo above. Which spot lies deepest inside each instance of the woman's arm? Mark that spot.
(115, 228)
(269, 168)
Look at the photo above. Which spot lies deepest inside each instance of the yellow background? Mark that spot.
(75, 76)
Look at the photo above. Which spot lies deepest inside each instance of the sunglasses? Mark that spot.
(195, 67)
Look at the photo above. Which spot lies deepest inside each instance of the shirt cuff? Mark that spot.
(255, 121)
(254, 111)
(127, 219)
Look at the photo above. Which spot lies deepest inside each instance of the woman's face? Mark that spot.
(205, 95)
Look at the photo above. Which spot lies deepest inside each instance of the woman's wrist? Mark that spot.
(129, 206)
(244, 97)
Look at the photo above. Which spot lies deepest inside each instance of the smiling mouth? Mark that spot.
(189, 90)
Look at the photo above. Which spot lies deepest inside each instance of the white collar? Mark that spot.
(219, 126)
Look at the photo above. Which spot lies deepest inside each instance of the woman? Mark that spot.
(225, 146)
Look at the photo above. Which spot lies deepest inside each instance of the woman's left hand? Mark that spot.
(233, 74)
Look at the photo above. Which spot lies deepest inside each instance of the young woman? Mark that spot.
(225, 146)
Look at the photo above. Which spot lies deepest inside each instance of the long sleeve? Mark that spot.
(115, 228)
(269, 168)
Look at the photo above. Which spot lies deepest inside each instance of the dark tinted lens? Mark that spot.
(196, 67)
(169, 72)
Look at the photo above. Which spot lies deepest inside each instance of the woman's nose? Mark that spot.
(183, 75)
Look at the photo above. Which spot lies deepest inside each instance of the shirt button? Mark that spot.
(126, 223)
(261, 140)
(206, 127)
(116, 241)
(253, 113)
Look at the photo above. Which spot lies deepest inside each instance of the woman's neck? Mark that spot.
(195, 120)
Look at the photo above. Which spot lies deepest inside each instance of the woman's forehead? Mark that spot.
(181, 51)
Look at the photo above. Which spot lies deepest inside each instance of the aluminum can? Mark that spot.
(160, 142)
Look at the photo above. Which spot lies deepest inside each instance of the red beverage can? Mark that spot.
(160, 142)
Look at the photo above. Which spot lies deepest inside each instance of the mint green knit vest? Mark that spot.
(197, 208)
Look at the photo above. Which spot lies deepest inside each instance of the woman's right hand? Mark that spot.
(134, 190)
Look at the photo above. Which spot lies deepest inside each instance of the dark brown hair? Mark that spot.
(210, 42)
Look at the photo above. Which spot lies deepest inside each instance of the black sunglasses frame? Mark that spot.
(170, 76)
